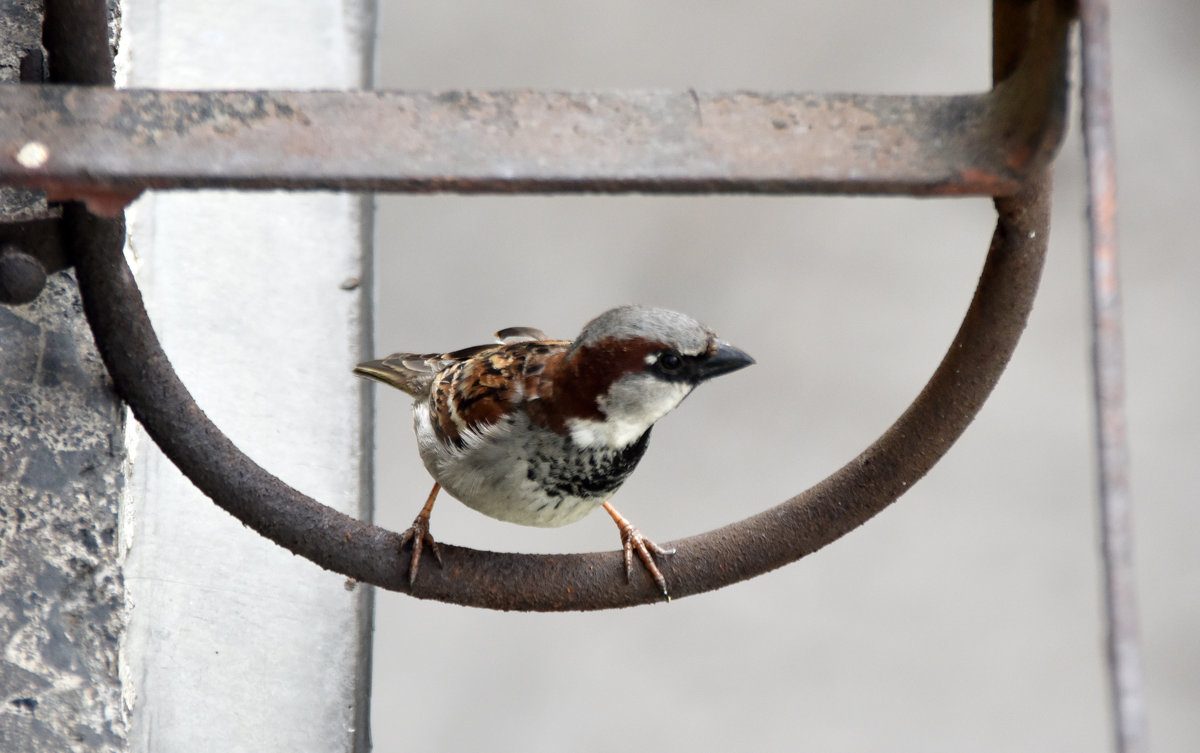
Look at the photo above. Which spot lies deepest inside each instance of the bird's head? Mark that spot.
(632, 365)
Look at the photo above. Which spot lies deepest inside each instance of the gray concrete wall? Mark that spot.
(61, 474)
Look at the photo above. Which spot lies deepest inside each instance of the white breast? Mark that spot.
(490, 473)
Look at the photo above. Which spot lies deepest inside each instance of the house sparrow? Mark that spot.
(541, 432)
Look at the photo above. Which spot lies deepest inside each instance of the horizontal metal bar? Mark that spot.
(105, 146)
(74, 141)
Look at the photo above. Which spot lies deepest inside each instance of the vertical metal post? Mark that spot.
(1108, 358)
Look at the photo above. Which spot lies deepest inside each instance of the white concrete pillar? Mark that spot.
(262, 302)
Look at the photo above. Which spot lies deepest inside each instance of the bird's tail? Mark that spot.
(407, 372)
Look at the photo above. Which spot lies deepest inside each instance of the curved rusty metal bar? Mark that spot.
(144, 378)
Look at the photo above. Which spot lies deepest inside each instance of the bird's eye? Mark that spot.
(670, 361)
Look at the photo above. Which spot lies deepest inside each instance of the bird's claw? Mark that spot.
(419, 535)
(631, 539)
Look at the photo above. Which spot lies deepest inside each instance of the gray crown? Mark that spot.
(680, 331)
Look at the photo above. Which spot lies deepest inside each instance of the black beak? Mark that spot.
(726, 359)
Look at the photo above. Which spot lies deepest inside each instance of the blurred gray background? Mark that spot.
(967, 616)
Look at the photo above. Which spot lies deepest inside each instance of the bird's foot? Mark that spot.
(633, 540)
(418, 533)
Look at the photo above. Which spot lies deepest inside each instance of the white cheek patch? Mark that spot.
(629, 409)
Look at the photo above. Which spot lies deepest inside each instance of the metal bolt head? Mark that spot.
(22, 276)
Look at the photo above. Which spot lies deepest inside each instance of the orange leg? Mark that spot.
(419, 535)
(632, 538)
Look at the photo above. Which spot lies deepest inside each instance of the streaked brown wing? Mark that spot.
(472, 388)
(475, 393)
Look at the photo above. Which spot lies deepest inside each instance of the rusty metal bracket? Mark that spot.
(1004, 139)
(104, 146)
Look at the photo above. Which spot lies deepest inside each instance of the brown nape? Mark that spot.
(569, 387)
